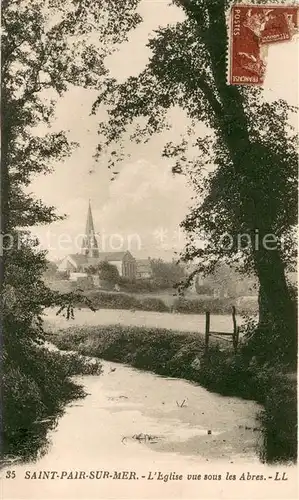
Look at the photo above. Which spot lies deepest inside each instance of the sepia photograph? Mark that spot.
(149, 219)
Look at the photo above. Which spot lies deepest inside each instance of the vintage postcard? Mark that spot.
(148, 249)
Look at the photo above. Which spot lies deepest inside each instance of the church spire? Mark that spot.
(90, 245)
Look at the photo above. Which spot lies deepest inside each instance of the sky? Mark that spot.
(142, 208)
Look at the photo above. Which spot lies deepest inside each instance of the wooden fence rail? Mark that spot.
(222, 335)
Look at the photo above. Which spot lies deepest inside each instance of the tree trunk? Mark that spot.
(277, 309)
(271, 273)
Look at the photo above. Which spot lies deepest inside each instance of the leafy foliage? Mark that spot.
(166, 274)
(226, 281)
(116, 300)
(37, 381)
(47, 46)
(105, 271)
(242, 163)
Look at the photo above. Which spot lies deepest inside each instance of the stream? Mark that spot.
(138, 421)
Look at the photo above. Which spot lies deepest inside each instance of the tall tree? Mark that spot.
(250, 152)
(47, 46)
(105, 271)
(166, 274)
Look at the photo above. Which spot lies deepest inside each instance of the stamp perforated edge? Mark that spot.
(264, 47)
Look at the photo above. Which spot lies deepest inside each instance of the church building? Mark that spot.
(76, 264)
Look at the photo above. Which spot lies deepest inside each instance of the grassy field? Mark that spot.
(143, 319)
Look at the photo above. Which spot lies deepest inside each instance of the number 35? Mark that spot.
(10, 474)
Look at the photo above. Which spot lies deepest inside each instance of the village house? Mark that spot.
(76, 265)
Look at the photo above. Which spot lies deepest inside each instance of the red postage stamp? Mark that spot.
(252, 29)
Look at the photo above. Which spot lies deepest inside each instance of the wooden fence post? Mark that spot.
(236, 330)
(207, 332)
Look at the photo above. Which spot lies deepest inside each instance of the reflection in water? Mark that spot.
(44, 387)
(32, 444)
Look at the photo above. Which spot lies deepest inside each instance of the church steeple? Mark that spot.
(89, 244)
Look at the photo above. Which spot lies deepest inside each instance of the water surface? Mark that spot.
(139, 421)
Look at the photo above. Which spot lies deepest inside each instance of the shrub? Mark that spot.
(84, 283)
(135, 286)
(279, 422)
(148, 348)
(199, 306)
(269, 345)
(108, 272)
(117, 300)
(111, 300)
(153, 304)
(20, 392)
(39, 381)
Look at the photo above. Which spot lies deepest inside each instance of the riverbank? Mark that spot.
(178, 354)
(41, 381)
(130, 422)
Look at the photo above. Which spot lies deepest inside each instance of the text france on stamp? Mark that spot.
(252, 29)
